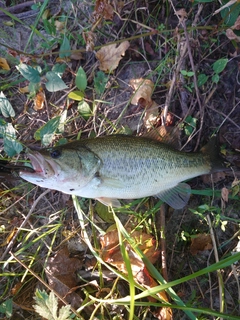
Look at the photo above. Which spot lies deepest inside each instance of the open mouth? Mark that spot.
(40, 166)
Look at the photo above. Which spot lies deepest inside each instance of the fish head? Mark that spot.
(62, 168)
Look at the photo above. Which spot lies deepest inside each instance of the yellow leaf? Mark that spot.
(3, 64)
(110, 56)
(24, 89)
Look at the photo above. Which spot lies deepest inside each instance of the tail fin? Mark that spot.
(212, 151)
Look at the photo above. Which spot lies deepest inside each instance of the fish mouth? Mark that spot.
(41, 167)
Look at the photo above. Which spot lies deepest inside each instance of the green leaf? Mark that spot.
(47, 306)
(230, 13)
(29, 73)
(65, 49)
(183, 72)
(100, 82)
(6, 308)
(84, 110)
(202, 79)
(215, 78)
(5, 107)
(59, 69)
(11, 145)
(81, 79)
(76, 95)
(55, 83)
(46, 132)
(219, 65)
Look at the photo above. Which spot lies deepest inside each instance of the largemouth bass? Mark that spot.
(121, 167)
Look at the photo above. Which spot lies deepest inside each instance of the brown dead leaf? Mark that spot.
(110, 56)
(202, 242)
(61, 274)
(214, 177)
(4, 64)
(231, 35)
(143, 89)
(224, 194)
(151, 116)
(39, 101)
(103, 9)
(111, 253)
(90, 39)
(182, 14)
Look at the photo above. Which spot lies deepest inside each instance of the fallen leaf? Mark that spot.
(109, 56)
(111, 253)
(224, 194)
(61, 273)
(143, 89)
(213, 178)
(103, 9)
(24, 89)
(60, 26)
(231, 35)
(3, 64)
(182, 14)
(90, 39)
(39, 100)
(151, 116)
(202, 242)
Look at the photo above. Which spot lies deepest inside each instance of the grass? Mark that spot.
(192, 66)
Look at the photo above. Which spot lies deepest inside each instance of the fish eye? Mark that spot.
(55, 153)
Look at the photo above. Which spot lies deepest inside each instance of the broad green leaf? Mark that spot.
(5, 107)
(46, 132)
(84, 110)
(190, 73)
(6, 308)
(100, 82)
(81, 79)
(215, 78)
(55, 83)
(76, 95)
(65, 49)
(219, 65)
(11, 145)
(184, 72)
(230, 13)
(59, 69)
(202, 79)
(29, 73)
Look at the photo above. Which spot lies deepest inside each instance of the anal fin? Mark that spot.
(109, 202)
(176, 197)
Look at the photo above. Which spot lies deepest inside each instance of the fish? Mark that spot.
(109, 168)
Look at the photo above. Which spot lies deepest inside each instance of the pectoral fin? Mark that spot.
(176, 197)
(109, 202)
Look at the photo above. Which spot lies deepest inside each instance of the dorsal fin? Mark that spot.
(167, 135)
